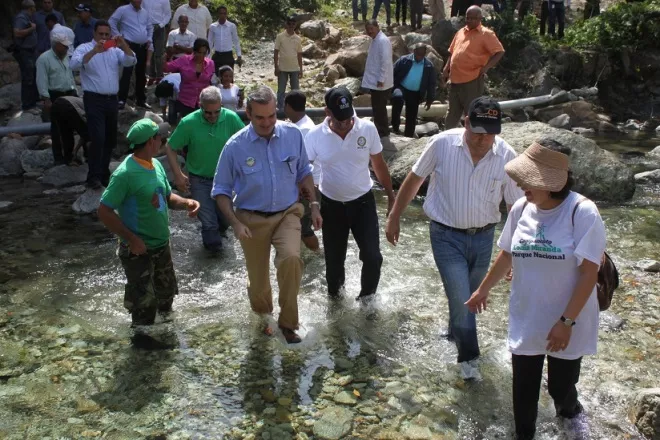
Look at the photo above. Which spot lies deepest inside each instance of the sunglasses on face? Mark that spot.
(211, 113)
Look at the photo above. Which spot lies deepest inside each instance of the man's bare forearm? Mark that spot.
(226, 206)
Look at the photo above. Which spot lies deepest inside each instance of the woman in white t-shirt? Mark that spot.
(554, 238)
(232, 96)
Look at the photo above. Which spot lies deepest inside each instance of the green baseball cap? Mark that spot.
(144, 129)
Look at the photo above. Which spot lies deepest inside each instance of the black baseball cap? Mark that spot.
(340, 103)
(83, 7)
(485, 116)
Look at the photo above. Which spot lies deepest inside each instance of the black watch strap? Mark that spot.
(563, 319)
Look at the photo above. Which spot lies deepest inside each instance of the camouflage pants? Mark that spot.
(150, 282)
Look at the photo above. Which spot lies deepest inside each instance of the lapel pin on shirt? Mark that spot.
(250, 161)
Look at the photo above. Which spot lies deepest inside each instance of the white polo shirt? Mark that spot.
(344, 162)
(305, 124)
(460, 194)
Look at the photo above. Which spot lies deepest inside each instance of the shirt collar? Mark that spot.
(496, 149)
(478, 29)
(253, 136)
(221, 117)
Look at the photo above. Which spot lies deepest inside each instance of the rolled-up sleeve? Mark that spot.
(123, 59)
(223, 181)
(304, 167)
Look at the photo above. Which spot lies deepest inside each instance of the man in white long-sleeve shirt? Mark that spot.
(99, 74)
(379, 75)
(223, 40)
(160, 12)
(133, 23)
(198, 15)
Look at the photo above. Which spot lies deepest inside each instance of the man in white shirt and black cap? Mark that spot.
(467, 184)
(344, 146)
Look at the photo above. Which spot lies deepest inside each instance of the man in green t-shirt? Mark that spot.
(205, 132)
(140, 194)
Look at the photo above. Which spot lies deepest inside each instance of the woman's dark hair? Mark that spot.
(199, 43)
(223, 69)
(553, 145)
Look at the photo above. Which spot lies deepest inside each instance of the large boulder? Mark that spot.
(88, 202)
(314, 29)
(353, 55)
(581, 114)
(37, 160)
(9, 71)
(443, 33)
(311, 51)
(352, 84)
(543, 82)
(64, 175)
(11, 150)
(11, 91)
(403, 152)
(645, 413)
(598, 173)
(333, 36)
(26, 118)
(412, 38)
(399, 47)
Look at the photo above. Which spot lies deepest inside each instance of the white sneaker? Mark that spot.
(470, 370)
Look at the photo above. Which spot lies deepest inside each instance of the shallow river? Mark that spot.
(383, 371)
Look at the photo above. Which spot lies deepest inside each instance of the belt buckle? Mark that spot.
(472, 231)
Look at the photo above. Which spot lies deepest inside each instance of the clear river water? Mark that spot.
(68, 369)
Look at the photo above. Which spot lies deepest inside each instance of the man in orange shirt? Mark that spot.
(474, 50)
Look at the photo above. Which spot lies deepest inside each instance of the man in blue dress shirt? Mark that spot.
(43, 32)
(133, 22)
(99, 72)
(265, 164)
(84, 29)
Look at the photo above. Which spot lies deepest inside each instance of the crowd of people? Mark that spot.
(275, 183)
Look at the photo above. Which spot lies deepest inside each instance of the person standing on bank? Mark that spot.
(264, 165)
(141, 195)
(344, 146)
(553, 309)
(67, 118)
(474, 50)
(362, 9)
(223, 38)
(294, 109)
(199, 16)
(43, 32)
(467, 184)
(160, 12)
(416, 12)
(288, 60)
(378, 75)
(180, 41)
(99, 72)
(133, 23)
(25, 53)
(84, 28)
(54, 75)
(205, 132)
(415, 80)
(388, 11)
(232, 95)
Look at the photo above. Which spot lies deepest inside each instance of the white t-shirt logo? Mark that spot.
(362, 141)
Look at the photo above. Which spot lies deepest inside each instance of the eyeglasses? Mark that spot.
(212, 113)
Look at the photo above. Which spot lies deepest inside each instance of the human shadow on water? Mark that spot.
(269, 379)
(138, 372)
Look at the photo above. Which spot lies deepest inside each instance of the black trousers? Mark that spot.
(563, 375)
(459, 7)
(358, 216)
(544, 17)
(379, 100)
(65, 121)
(27, 63)
(401, 10)
(140, 51)
(411, 99)
(102, 113)
(223, 59)
(557, 14)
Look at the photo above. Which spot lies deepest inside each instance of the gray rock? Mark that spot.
(645, 412)
(352, 84)
(654, 152)
(649, 265)
(582, 114)
(427, 129)
(314, 30)
(632, 124)
(561, 121)
(88, 201)
(10, 156)
(648, 177)
(6, 104)
(5, 204)
(11, 91)
(415, 432)
(341, 13)
(610, 321)
(443, 33)
(543, 82)
(63, 175)
(345, 398)
(311, 50)
(413, 38)
(26, 118)
(586, 92)
(37, 160)
(598, 174)
(335, 423)
(154, 117)
(583, 131)
(332, 35)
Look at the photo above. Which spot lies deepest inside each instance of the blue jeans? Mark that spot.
(214, 223)
(463, 261)
(282, 79)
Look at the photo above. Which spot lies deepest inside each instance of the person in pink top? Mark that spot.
(196, 71)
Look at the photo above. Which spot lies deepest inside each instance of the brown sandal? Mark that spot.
(291, 336)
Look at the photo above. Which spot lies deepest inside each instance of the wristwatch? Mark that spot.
(315, 203)
(568, 322)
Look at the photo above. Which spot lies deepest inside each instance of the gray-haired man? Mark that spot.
(205, 132)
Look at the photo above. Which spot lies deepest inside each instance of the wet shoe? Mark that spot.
(291, 336)
(470, 370)
(311, 243)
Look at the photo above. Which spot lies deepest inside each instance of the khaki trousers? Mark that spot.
(437, 9)
(282, 231)
(460, 97)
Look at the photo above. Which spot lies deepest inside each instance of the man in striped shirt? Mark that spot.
(467, 184)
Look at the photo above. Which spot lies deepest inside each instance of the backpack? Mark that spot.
(608, 275)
